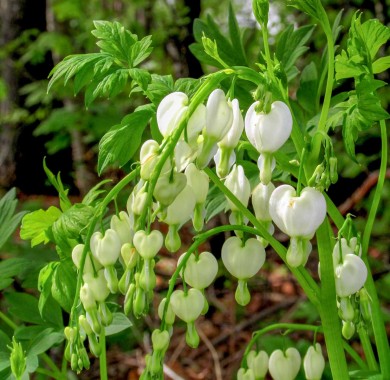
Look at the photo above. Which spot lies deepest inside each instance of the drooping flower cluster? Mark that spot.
(283, 365)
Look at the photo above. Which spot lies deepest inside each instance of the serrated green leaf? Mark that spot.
(141, 77)
(92, 195)
(121, 142)
(112, 84)
(65, 203)
(9, 221)
(72, 223)
(291, 46)
(119, 323)
(141, 50)
(311, 7)
(374, 34)
(64, 284)
(381, 64)
(36, 223)
(160, 86)
(349, 67)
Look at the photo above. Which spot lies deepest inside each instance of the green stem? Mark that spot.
(355, 356)
(264, 30)
(98, 215)
(103, 356)
(8, 321)
(369, 353)
(328, 308)
(328, 91)
(306, 281)
(278, 326)
(378, 325)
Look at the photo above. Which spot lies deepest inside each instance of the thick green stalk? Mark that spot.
(103, 356)
(328, 308)
(365, 340)
(378, 325)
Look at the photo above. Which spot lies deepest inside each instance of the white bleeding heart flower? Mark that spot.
(170, 111)
(239, 185)
(169, 315)
(314, 363)
(149, 156)
(89, 265)
(106, 249)
(350, 275)
(148, 245)
(180, 210)
(200, 272)
(258, 362)
(199, 182)
(285, 365)
(122, 226)
(297, 216)
(261, 195)
(184, 154)
(242, 261)
(268, 132)
(196, 123)
(340, 250)
(168, 187)
(86, 297)
(188, 306)
(97, 285)
(245, 374)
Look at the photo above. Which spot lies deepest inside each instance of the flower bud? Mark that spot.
(168, 187)
(87, 298)
(314, 363)
(160, 340)
(97, 285)
(239, 185)
(121, 225)
(89, 263)
(170, 315)
(170, 111)
(261, 195)
(245, 374)
(348, 329)
(17, 359)
(180, 210)
(199, 182)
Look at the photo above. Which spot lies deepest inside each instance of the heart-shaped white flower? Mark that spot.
(245, 374)
(239, 185)
(297, 216)
(268, 132)
(187, 306)
(261, 195)
(258, 362)
(170, 111)
(243, 261)
(200, 273)
(350, 276)
(106, 249)
(148, 245)
(168, 187)
(314, 363)
(284, 366)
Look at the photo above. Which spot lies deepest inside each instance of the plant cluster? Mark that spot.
(232, 140)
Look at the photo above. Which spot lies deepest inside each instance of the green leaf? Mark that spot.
(64, 284)
(44, 341)
(8, 221)
(71, 224)
(141, 50)
(12, 266)
(111, 85)
(235, 35)
(216, 202)
(374, 34)
(308, 87)
(35, 225)
(121, 142)
(24, 306)
(311, 7)
(160, 86)
(119, 323)
(91, 198)
(366, 375)
(141, 77)
(45, 280)
(380, 65)
(291, 46)
(5, 282)
(65, 203)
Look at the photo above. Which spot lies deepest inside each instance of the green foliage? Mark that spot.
(121, 142)
(105, 73)
(8, 219)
